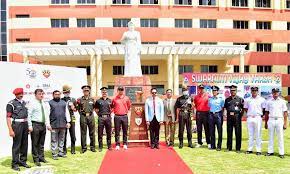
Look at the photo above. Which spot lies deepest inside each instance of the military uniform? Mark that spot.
(234, 106)
(70, 101)
(104, 120)
(85, 106)
(17, 111)
(184, 104)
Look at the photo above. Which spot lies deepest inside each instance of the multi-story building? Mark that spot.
(178, 36)
(3, 30)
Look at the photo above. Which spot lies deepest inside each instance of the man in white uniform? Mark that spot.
(254, 106)
(276, 121)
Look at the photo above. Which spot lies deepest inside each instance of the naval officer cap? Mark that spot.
(254, 88)
(184, 88)
(215, 88)
(275, 90)
(201, 86)
(233, 88)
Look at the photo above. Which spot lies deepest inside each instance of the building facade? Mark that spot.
(201, 35)
(3, 30)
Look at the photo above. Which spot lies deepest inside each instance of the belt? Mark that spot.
(254, 116)
(275, 118)
(121, 115)
(215, 112)
(20, 120)
(105, 115)
(38, 122)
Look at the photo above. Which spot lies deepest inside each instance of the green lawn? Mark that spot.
(200, 160)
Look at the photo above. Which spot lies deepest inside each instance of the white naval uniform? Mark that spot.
(276, 110)
(255, 108)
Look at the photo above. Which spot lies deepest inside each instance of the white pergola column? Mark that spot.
(170, 72)
(25, 58)
(176, 75)
(242, 63)
(93, 75)
(99, 74)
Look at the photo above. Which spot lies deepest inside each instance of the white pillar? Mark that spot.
(170, 72)
(176, 75)
(99, 74)
(25, 58)
(93, 75)
(242, 63)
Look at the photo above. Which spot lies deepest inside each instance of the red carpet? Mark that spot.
(141, 160)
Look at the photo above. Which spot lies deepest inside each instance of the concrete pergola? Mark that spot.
(97, 53)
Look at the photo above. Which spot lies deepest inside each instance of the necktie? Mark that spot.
(154, 105)
(42, 113)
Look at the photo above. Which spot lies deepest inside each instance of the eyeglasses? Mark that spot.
(153, 92)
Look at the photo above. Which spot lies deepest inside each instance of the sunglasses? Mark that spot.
(154, 92)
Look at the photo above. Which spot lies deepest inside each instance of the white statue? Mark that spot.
(132, 41)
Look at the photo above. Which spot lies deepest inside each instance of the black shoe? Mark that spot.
(93, 150)
(73, 152)
(55, 158)
(258, 153)
(190, 145)
(110, 148)
(249, 152)
(100, 149)
(228, 150)
(62, 156)
(152, 147)
(281, 156)
(43, 160)
(157, 147)
(84, 150)
(218, 149)
(24, 165)
(16, 168)
(37, 164)
(180, 146)
(269, 154)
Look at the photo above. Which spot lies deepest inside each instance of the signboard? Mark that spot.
(264, 81)
(30, 77)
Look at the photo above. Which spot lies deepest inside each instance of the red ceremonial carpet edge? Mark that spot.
(143, 160)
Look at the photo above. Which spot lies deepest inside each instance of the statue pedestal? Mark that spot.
(138, 133)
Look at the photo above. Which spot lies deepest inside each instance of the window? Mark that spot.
(118, 70)
(87, 43)
(185, 69)
(288, 69)
(149, 69)
(86, 1)
(263, 25)
(287, 3)
(288, 48)
(148, 1)
(121, 1)
(241, 24)
(22, 40)
(240, 3)
(22, 16)
(183, 43)
(207, 2)
(3, 31)
(116, 43)
(148, 43)
(288, 90)
(121, 22)
(208, 68)
(264, 69)
(263, 3)
(58, 43)
(110, 90)
(182, 2)
(288, 25)
(149, 22)
(160, 88)
(247, 45)
(59, 1)
(86, 22)
(207, 23)
(264, 47)
(183, 23)
(88, 69)
(237, 69)
(59, 23)
(208, 43)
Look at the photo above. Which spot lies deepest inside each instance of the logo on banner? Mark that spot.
(138, 110)
(31, 73)
(46, 73)
(138, 121)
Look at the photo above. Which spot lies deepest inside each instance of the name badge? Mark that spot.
(232, 113)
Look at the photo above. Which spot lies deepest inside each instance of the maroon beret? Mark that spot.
(18, 91)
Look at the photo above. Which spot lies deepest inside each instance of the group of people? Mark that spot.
(58, 116)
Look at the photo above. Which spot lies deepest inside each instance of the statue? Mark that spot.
(139, 96)
(132, 41)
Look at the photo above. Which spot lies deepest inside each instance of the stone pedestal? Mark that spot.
(137, 89)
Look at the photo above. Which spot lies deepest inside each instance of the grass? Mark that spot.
(204, 161)
(200, 160)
